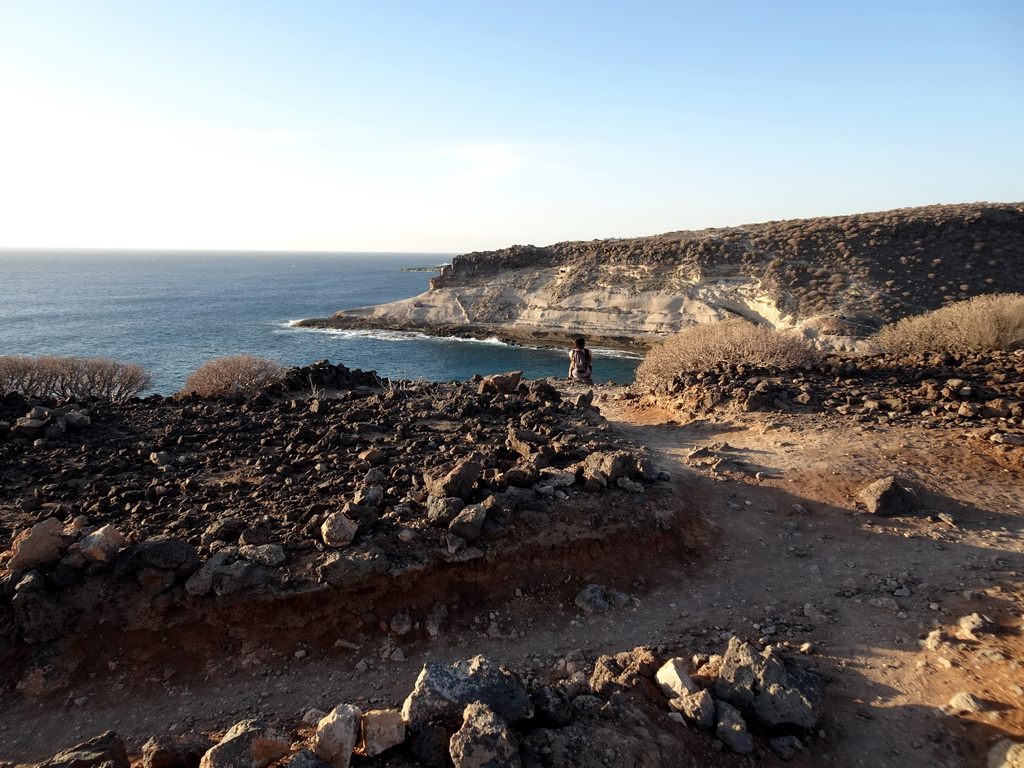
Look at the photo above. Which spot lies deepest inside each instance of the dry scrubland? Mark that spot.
(71, 377)
(759, 553)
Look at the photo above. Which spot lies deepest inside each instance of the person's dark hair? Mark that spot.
(580, 343)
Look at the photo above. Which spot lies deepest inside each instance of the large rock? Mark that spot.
(674, 679)
(201, 582)
(469, 522)
(698, 708)
(522, 474)
(269, 555)
(484, 740)
(443, 691)
(597, 598)
(441, 510)
(624, 672)
(454, 479)
(336, 735)
(524, 442)
(886, 497)
(167, 554)
(105, 750)
(552, 707)
(430, 743)
(777, 695)
(732, 729)
(1006, 754)
(306, 759)
(501, 383)
(26, 428)
(338, 530)
(248, 744)
(37, 547)
(174, 751)
(39, 616)
(345, 569)
(614, 464)
(101, 545)
(243, 577)
(380, 729)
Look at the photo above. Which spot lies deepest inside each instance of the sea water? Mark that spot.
(172, 311)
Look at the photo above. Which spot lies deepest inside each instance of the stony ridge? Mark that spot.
(830, 277)
(283, 495)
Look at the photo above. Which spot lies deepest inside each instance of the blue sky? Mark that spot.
(458, 126)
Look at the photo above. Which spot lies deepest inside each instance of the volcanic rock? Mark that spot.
(106, 750)
(698, 708)
(886, 497)
(338, 530)
(443, 691)
(731, 729)
(248, 744)
(174, 752)
(453, 479)
(40, 616)
(484, 740)
(777, 695)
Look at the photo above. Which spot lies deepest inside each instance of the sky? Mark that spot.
(457, 126)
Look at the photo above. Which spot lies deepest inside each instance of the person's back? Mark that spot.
(581, 361)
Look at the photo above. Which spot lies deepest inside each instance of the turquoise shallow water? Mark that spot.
(173, 311)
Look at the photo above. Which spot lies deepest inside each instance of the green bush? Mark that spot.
(701, 347)
(72, 377)
(980, 324)
(238, 374)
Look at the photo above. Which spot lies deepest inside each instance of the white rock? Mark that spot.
(338, 530)
(674, 679)
(101, 545)
(37, 547)
(381, 730)
(248, 744)
(336, 735)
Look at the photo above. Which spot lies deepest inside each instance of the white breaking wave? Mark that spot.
(388, 335)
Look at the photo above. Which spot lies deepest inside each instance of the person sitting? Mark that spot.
(581, 361)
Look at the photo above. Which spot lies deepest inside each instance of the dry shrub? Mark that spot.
(701, 347)
(238, 374)
(980, 324)
(73, 377)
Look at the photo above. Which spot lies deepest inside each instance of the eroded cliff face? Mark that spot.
(834, 279)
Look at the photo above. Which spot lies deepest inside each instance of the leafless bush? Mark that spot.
(238, 374)
(993, 321)
(731, 341)
(74, 377)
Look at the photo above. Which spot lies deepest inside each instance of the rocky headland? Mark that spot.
(835, 279)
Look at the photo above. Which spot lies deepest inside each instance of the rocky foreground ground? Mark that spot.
(724, 572)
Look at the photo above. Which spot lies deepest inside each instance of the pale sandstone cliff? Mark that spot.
(834, 279)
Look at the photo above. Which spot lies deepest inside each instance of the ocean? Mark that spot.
(171, 311)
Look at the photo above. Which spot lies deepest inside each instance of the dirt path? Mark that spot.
(795, 556)
(784, 556)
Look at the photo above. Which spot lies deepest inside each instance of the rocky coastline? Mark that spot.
(835, 280)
